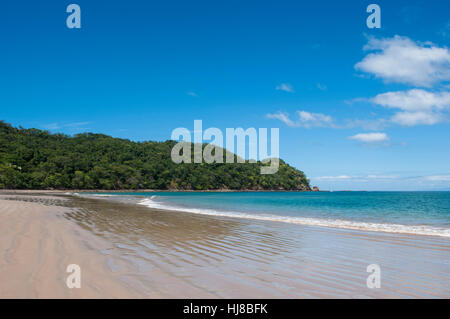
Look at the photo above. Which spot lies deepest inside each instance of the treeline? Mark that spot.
(36, 159)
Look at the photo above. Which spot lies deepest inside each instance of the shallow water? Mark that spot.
(424, 213)
(215, 256)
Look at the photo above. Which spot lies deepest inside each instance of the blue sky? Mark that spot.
(357, 108)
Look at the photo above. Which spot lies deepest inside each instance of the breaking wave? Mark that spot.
(334, 223)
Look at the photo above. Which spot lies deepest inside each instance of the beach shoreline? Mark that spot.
(132, 251)
(38, 245)
(66, 191)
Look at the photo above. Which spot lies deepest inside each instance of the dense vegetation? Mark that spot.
(35, 159)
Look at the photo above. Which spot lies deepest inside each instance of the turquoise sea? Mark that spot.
(274, 244)
(422, 213)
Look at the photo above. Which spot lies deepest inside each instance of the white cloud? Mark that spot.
(401, 60)
(417, 106)
(285, 87)
(305, 119)
(370, 137)
(417, 118)
(190, 93)
(283, 117)
(321, 87)
(414, 100)
(438, 178)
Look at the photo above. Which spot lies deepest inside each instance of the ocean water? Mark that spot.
(241, 245)
(421, 213)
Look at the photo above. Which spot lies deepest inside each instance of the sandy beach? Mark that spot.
(130, 251)
(37, 245)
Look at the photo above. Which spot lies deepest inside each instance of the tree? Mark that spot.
(35, 159)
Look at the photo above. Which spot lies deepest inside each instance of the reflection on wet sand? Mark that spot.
(181, 255)
(205, 256)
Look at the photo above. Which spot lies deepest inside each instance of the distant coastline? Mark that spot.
(64, 191)
(37, 159)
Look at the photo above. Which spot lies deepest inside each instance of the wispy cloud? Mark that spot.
(370, 138)
(445, 31)
(193, 94)
(367, 124)
(401, 60)
(304, 119)
(51, 126)
(411, 13)
(381, 181)
(355, 177)
(308, 120)
(321, 87)
(438, 178)
(283, 117)
(77, 124)
(58, 126)
(285, 87)
(333, 178)
(421, 181)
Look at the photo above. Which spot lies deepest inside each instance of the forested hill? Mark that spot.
(35, 159)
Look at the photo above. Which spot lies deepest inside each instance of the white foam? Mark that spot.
(103, 195)
(335, 223)
(94, 195)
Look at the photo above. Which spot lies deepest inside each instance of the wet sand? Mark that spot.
(37, 244)
(127, 250)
